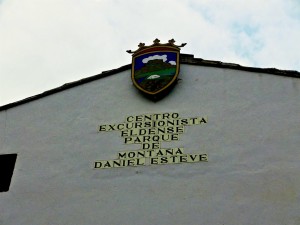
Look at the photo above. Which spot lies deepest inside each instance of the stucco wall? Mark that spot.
(251, 138)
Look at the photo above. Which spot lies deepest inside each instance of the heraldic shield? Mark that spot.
(156, 67)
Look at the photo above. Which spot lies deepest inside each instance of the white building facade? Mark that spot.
(227, 152)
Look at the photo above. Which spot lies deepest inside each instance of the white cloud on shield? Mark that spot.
(162, 57)
(172, 62)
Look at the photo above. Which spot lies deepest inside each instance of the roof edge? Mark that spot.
(184, 59)
(66, 86)
(190, 60)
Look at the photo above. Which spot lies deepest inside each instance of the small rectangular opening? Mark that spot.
(7, 165)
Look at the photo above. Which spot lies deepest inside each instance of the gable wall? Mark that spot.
(251, 138)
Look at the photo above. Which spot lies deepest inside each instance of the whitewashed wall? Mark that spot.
(252, 139)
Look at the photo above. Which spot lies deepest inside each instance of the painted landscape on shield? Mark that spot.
(156, 70)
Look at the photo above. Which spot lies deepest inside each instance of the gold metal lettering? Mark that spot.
(150, 130)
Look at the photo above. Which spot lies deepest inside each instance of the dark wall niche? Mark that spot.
(7, 165)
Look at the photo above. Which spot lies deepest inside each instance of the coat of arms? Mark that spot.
(155, 68)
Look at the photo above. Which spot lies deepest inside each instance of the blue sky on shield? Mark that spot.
(46, 43)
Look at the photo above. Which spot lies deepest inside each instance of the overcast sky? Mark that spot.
(46, 43)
